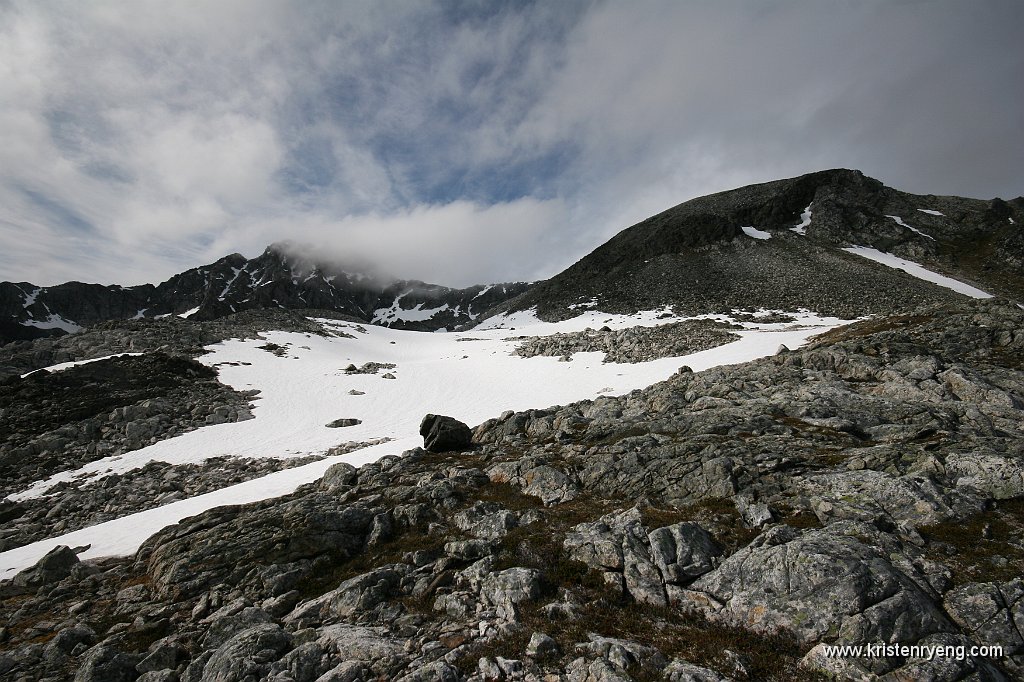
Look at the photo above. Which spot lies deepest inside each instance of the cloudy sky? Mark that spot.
(464, 142)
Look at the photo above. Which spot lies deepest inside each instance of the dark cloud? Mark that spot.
(468, 141)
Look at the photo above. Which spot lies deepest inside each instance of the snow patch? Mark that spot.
(756, 233)
(189, 313)
(67, 365)
(899, 221)
(929, 212)
(396, 312)
(916, 270)
(141, 314)
(227, 287)
(53, 322)
(31, 298)
(805, 221)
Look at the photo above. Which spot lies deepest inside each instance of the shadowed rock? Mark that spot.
(441, 434)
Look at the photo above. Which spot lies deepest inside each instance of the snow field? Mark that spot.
(471, 376)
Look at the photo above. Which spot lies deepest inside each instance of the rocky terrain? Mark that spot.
(727, 524)
(61, 420)
(633, 344)
(172, 335)
(70, 505)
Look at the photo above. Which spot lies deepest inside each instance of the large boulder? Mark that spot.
(441, 434)
(56, 565)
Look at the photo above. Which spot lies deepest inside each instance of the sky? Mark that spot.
(464, 142)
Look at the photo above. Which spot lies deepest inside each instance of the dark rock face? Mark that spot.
(441, 434)
(173, 336)
(343, 422)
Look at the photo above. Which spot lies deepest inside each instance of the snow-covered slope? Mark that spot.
(471, 376)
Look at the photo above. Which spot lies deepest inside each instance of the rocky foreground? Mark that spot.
(722, 525)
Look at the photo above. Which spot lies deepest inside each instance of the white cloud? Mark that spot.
(141, 138)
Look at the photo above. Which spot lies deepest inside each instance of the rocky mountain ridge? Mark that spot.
(278, 278)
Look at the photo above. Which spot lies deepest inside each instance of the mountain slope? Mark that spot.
(698, 257)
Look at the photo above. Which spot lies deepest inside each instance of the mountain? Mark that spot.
(278, 278)
(781, 245)
(626, 489)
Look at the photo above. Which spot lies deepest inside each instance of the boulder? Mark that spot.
(442, 434)
(682, 552)
(56, 565)
(343, 422)
(247, 655)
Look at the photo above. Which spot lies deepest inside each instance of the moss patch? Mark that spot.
(972, 548)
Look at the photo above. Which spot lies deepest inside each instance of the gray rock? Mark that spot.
(468, 550)
(619, 543)
(874, 495)
(347, 671)
(247, 655)
(158, 676)
(995, 477)
(679, 670)
(360, 643)
(55, 565)
(818, 585)
(355, 595)
(682, 552)
(163, 655)
(486, 520)
(436, 671)
(340, 476)
(511, 587)
(541, 645)
(550, 485)
(68, 639)
(106, 664)
(754, 515)
(990, 613)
